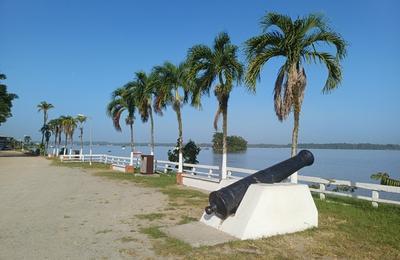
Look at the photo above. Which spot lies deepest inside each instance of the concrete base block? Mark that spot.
(268, 210)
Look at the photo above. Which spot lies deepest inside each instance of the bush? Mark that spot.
(189, 152)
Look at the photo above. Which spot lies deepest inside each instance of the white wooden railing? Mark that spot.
(212, 172)
(100, 158)
(323, 183)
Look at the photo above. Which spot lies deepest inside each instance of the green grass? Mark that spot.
(150, 216)
(186, 219)
(84, 165)
(348, 228)
(164, 245)
(153, 232)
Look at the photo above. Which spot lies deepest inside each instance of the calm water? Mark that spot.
(354, 165)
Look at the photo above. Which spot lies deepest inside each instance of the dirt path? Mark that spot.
(51, 212)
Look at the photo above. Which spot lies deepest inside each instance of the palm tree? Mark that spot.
(123, 99)
(295, 41)
(45, 107)
(219, 67)
(81, 119)
(143, 89)
(46, 131)
(55, 127)
(172, 88)
(68, 125)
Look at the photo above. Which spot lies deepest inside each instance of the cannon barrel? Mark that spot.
(225, 201)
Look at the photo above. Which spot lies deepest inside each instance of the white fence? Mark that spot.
(101, 158)
(212, 173)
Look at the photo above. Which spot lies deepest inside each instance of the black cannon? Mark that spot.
(225, 201)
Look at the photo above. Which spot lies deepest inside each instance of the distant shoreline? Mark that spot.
(331, 146)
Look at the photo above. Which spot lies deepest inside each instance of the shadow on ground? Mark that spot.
(15, 154)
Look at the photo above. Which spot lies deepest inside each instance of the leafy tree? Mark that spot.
(190, 153)
(45, 107)
(218, 68)
(297, 42)
(5, 101)
(123, 99)
(235, 143)
(172, 88)
(27, 139)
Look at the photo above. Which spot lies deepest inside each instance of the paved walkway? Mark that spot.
(51, 212)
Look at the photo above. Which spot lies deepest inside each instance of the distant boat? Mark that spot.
(123, 147)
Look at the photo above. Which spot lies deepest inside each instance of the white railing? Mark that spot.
(324, 183)
(188, 168)
(100, 158)
(209, 171)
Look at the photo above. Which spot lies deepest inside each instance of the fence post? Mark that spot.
(209, 173)
(229, 174)
(322, 188)
(193, 170)
(375, 198)
(166, 168)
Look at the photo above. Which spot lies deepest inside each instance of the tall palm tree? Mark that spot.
(216, 67)
(143, 89)
(297, 42)
(45, 107)
(46, 131)
(172, 88)
(55, 127)
(81, 119)
(69, 126)
(123, 99)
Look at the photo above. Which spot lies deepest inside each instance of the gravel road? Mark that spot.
(49, 212)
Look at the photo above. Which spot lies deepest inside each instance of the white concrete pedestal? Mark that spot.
(268, 210)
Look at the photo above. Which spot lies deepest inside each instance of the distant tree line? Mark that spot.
(344, 146)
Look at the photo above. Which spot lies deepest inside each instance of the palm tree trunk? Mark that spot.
(180, 139)
(72, 143)
(59, 142)
(66, 143)
(152, 132)
(132, 143)
(55, 142)
(44, 123)
(132, 138)
(224, 109)
(295, 134)
(81, 151)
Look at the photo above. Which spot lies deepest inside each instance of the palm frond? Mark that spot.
(255, 64)
(332, 65)
(283, 22)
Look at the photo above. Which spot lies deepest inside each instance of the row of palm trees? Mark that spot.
(58, 126)
(217, 68)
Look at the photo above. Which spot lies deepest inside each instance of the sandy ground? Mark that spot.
(49, 212)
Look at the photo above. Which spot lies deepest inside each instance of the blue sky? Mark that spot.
(73, 54)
